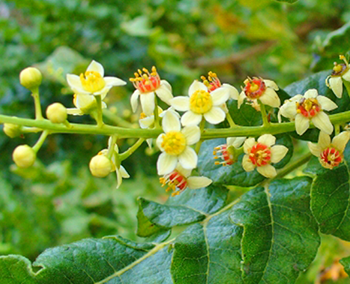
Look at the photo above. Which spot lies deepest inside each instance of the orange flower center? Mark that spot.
(260, 155)
(308, 107)
(330, 158)
(212, 82)
(224, 153)
(146, 81)
(175, 180)
(254, 88)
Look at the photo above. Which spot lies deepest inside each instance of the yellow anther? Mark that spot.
(201, 102)
(92, 81)
(337, 68)
(253, 87)
(216, 163)
(174, 143)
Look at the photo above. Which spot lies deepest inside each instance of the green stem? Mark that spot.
(37, 105)
(293, 165)
(131, 150)
(199, 143)
(230, 120)
(40, 142)
(99, 111)
(212, 133)
(156, 115)
(263, 114)
(116, 119)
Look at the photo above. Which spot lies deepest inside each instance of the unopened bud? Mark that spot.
(30, 78)
(24, 156)
(12, 130)
(56, 113)
(100, 166)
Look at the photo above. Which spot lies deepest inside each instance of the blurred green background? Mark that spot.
(57, 201)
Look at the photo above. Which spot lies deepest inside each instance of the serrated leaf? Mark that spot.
(268, 236)
(330, 197)
(235, 174)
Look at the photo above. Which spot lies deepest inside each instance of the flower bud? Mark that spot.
(24, 156)
(100, 166)
(30, 78)
(56, 113)
(12, 130)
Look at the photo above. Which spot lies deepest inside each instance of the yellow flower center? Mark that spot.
(92, 81)
(308, 107)
(174, 143)
(254, 87)
(201, 102)
(337, 68)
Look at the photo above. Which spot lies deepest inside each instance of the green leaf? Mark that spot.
(246, 115)
(346, 263)
(287, 1)
(330, 197)
(268, 236)
(235, 174)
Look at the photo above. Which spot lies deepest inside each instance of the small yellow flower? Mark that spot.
(83, 105)
(24, 156)
(330, 153)
(340, 73)
(175, 145)
(306, 108)
(93, 82)
(261, 154)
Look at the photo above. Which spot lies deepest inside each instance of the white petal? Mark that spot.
(235, 141)
(198, 182)
(188, 159)
(267, 171)
(278, 152)
(314, 149)
(191, 118)
(123, 172)
(97, 67)
(164, 83)
(322, 122)
(336, 85)
(288, 109)
(146, 122)
(247, 164)
(119, 178)
(159, 141)
(215, 115)
(241, 98)
(232, 91)
(164, 94)
(114, 81)
(180, 103)
(103, 92)
(74, 83)
(341, 140)
(147, 103)
(270, 98)
(171, 122)
(195, 86)
(84, 101)
(311, 94)
(301, 124)
(271, 84)
(166, 164)
(219, 96)
(346, 76)
(324, 140)
(326, 103)
(149, 142)
(267, 139)
(133, 100)
(74, 111)
(192, 134)
(248, 144)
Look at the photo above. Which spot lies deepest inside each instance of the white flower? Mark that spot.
(213, 83)
(259, 89)
(340, 71)
(306, 108)
(200, 102)
(174, 144)
(330, 153)
(180, 179)
(227, 152)
(83, 105)
(92, 81)
(147, 85)
(260, 155)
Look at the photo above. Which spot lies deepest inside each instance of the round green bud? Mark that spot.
(24, 156)
(56, 113)
(12, 130)
(30, 78)
(100, 166)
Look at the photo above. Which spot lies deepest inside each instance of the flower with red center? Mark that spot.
(180, 179)
(201, 103)
(306, 108)
(340, 73)
(259, 89)
(261, 154)
(148, 84)
(228, 152)
(93, 82)
(330, 153)
(213, 83)
(175, 145)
